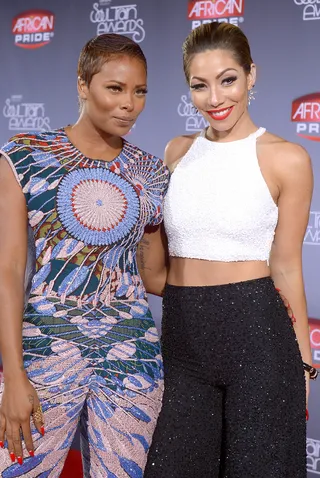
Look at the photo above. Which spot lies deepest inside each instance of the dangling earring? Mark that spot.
(195, 110)
(251, 96)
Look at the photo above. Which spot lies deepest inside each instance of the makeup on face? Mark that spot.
(219, 88)
(116, 95)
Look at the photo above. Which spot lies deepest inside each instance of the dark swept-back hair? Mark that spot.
(103, 48)
(213, 36)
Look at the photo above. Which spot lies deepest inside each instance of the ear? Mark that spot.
(82, 89)
(251, 79)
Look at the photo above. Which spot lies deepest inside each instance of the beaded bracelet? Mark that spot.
(313, 372)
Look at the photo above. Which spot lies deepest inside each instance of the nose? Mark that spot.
(127, 102)
(216, 97)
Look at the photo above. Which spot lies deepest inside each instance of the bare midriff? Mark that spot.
(198, 272)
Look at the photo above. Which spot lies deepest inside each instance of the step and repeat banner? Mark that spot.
(40, 43)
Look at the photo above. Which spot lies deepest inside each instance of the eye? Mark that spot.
(142, 91)
(229, 81)
(197, 86)
(114, 88)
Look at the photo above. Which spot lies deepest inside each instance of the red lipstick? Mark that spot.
(220, 114)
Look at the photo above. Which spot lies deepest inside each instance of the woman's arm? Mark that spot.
(19, 398)
(296, 186)
(153, 261)
(13, 254)
(152, 254)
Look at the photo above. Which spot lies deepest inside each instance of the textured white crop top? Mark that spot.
(218, 206)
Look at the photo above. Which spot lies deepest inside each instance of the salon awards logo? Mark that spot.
(313, 446)
(194, 121)
(313, 456)
(312, 235)
(230, 11)
(25, 116)
(122, 19)
(306, 114)
(310, 9)
(33, 28)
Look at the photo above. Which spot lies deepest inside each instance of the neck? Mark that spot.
(93, 142)
(243, 128)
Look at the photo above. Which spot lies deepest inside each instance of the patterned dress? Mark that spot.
(91, 348)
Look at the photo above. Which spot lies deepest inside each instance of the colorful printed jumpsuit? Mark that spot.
(91, 349)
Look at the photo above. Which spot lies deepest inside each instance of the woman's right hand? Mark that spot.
(19, 402)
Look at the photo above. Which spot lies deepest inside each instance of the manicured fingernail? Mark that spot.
(31, 453)
(307, 414)
(13, 457)
(42, 431)
(20, 460)
(1, 444)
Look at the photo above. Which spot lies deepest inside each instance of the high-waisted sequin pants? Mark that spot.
(234, 400)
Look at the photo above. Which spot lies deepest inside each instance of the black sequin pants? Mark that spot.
(234, 400)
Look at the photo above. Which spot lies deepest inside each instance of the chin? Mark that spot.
(124, 132)
(221, 126)
(226, 124)
(116, 131)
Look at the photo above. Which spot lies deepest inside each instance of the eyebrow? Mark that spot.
(218, 76)
(124, 84)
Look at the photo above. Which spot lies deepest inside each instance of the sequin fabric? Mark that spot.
(218, 206)
(234, 400)
(91, 348)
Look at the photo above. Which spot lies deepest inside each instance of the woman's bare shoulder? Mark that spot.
(288, 158)
(177, 148)
(280, 147)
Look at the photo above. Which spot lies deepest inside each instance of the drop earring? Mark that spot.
(251, 96)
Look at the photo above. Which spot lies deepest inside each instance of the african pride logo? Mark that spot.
(33, 28)
(230, 11)
(305, 113)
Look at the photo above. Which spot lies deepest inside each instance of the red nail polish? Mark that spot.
(13, 457)
(31, 453)
(307, 414)
(1, 444)
(42, 431)
(20, 460)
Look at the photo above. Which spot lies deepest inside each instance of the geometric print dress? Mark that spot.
(91, 348)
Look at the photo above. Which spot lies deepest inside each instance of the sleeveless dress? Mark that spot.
(91, 348)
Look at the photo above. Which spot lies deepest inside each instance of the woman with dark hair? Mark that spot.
(236, 363)
(74, 205)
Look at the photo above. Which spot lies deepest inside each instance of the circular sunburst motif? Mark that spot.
(105, 209)
(97, 206)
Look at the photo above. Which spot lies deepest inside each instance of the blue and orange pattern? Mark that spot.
(91, 348)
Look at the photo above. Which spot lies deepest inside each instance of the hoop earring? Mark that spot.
(251, 96)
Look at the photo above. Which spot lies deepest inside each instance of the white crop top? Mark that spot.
(218, 206)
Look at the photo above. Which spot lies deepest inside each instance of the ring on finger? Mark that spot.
(38, 414)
